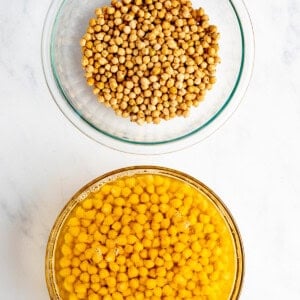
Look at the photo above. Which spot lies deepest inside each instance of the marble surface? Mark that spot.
(252, 162)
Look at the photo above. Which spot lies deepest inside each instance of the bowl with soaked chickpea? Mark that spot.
(144, 232)
(147, 76)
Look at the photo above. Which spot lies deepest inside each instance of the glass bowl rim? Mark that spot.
(146, 169)
(47, 46)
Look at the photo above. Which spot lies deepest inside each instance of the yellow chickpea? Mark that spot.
(168, 242)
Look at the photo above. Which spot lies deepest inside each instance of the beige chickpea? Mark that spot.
(146, 66)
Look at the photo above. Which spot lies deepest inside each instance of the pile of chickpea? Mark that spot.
(150, 60)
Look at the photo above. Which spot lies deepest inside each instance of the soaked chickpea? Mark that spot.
(155, 46)
(145, 237)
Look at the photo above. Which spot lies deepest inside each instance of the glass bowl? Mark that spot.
(66, 23)
(96, 184)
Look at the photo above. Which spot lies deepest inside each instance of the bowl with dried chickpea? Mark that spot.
(147, 76)
(144, 232)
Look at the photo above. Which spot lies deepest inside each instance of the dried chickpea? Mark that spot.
(142, 49)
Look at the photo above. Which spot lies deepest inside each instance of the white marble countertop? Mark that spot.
(252, 162)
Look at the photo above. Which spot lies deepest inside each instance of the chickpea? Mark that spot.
(154, 45)
(170, 241)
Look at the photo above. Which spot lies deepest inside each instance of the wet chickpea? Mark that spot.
(145, 236)
(146, 44)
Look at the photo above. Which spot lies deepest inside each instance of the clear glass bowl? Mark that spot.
(66, 23)
(96, 184)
